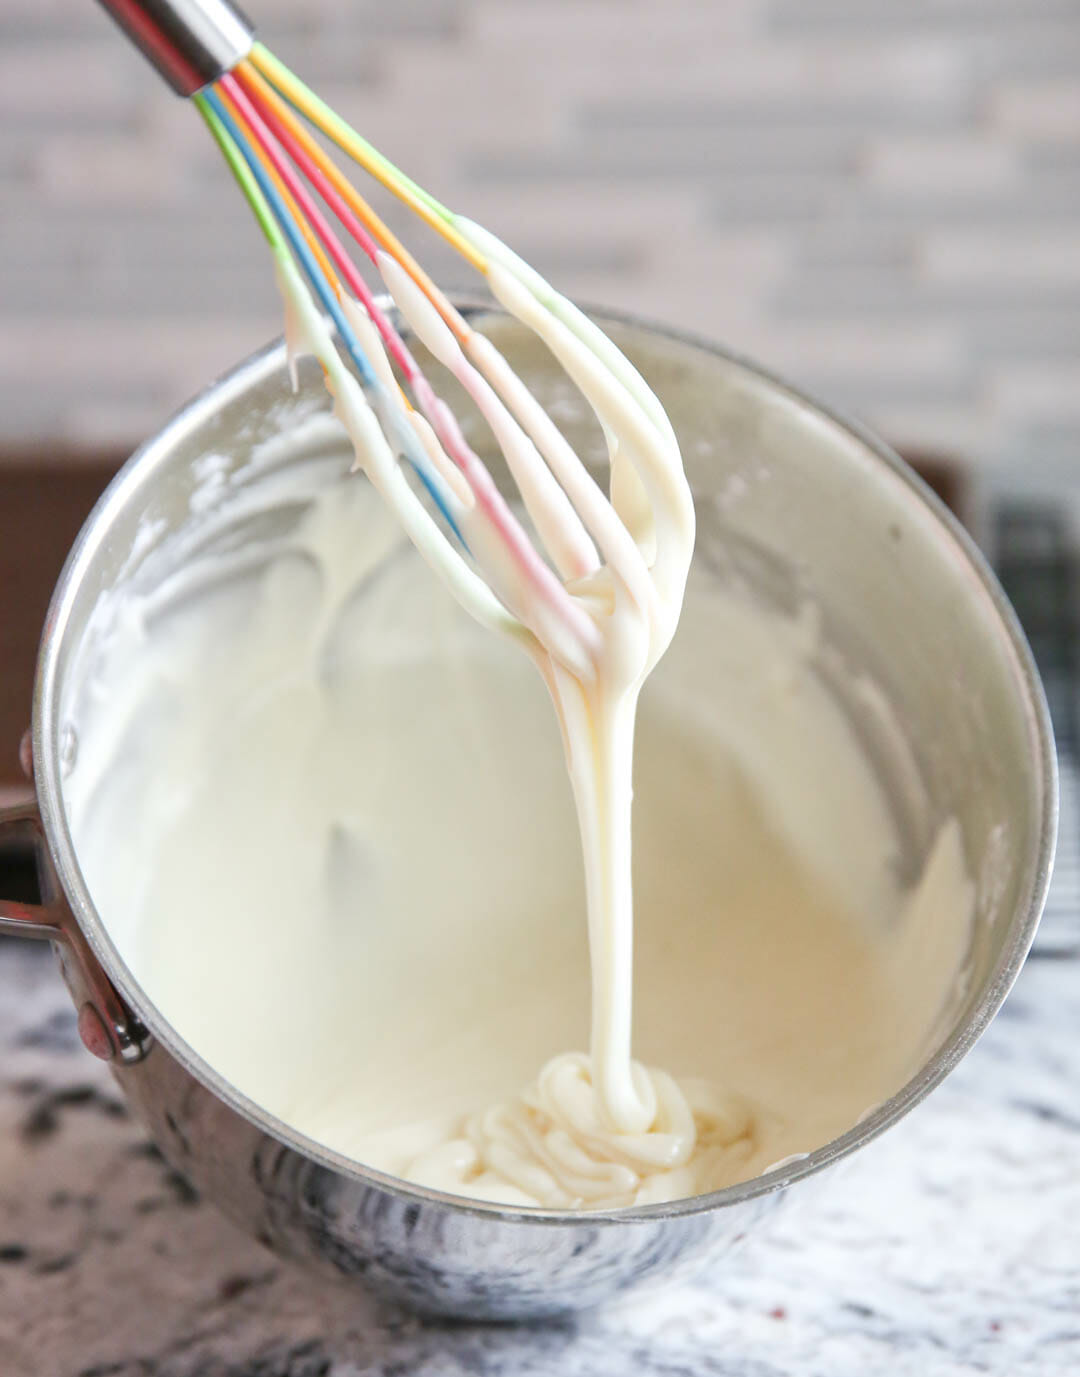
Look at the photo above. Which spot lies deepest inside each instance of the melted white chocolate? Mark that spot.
(325, 818)
(617, 1117)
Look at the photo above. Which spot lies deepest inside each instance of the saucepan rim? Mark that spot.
(47, 774)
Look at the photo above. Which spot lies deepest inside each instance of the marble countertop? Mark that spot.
(950, 1246)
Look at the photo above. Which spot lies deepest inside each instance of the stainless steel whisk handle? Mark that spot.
(190, 42)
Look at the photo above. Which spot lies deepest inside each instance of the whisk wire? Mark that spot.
(245, 179)
(286, 194)
(278, 111)
(291, 229)
(299, 153)
(254, 113)
(349, 141)
(271, 155)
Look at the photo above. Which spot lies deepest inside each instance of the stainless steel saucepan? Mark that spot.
(792, 498)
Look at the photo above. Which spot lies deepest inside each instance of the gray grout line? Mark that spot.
(790, 117)
(629, 160)
(1034, 201)
(886, 16)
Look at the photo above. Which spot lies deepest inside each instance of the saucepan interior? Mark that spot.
(795, 507)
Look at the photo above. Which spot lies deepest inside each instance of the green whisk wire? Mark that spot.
(244, 178)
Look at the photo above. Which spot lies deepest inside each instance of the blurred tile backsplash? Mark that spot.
(878, 198)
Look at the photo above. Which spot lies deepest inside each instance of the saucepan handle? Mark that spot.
(21, 826)
(107, 1027)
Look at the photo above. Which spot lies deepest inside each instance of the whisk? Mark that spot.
(594, 593)
(596, 549)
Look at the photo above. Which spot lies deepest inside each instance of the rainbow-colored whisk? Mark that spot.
(264, 120)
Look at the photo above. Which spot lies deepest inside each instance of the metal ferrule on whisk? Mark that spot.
(190, 42)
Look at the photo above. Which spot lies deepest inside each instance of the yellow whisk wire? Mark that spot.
(369, 158)
(379, 230)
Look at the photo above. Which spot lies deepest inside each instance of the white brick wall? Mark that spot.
(882, 197)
